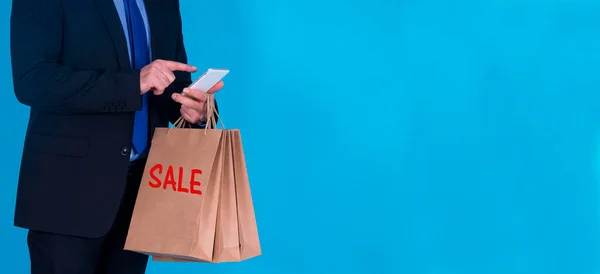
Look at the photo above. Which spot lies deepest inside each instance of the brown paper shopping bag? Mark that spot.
(176, 208)
(235, 236)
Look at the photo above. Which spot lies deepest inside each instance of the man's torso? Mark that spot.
(74, 166)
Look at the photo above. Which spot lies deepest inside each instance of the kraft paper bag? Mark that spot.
(176, 209)
(235, 234)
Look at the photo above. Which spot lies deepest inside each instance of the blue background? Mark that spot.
(418, 137)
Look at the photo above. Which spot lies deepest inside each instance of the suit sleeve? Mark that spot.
(183, 79)
(41, 81)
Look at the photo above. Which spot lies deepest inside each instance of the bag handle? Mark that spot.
(211, 115)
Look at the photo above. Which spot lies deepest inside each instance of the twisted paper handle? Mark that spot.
(211, 115)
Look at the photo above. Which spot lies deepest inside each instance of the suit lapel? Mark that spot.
(113, 23)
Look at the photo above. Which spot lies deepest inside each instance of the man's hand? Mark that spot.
(193, 103)
(158, 75)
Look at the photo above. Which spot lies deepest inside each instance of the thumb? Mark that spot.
(195, 94)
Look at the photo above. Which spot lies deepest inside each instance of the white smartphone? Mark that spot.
(209, 79)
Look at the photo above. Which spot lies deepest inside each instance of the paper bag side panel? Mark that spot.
(248, 231)
(227, 243)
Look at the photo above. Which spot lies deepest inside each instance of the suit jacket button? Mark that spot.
(125, 151)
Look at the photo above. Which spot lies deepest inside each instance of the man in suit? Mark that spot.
(99, 76)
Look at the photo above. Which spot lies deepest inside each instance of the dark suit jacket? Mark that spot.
(70, 65)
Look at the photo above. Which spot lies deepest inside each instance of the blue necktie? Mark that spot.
(140, 57)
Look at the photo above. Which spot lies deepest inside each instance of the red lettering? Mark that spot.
(193, 182)
(170, 178)
(180, 187)
(157, 183)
